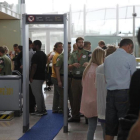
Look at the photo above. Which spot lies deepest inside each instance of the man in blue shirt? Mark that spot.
(119, 67)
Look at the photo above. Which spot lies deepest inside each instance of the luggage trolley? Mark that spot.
(10, 93)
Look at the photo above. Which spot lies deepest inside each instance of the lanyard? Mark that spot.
(79, 58)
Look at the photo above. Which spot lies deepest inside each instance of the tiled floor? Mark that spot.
(12, 130)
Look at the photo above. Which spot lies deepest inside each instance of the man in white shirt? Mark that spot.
(101, 90)
(119, 68)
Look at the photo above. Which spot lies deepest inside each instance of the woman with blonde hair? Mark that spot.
(89, 95)
(101, 90)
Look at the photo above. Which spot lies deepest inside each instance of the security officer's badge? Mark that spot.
(84, 56)
(58, 59)
(1, 62)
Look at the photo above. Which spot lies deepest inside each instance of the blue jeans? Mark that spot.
(117, 104)
(92, 123)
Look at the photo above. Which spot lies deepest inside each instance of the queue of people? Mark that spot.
(98, 81)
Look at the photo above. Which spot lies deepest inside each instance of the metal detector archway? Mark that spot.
(42, 19)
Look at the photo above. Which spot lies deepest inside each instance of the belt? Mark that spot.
(118, 90)
(70, 76)
(79, 78)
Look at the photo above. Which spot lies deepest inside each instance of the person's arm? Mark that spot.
(72, 64)
(57, 69)
(33, 70)
(134, 133)
(1, 64)
(33, 67)
(76, 65)
(132, 65)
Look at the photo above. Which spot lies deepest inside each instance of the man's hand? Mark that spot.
(85, 64)
(77, 65)
(60, 84)
(21, 66)
(31, 80)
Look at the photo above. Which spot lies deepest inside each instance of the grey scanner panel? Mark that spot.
(10, 93)
(113, 40)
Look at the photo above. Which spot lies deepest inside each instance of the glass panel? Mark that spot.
(40, 36)
(77, 23)
(137, 8)
(56, 37)
(125, 18)
(10, 5)
(101, 22)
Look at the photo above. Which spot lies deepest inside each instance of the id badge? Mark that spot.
(77, 72)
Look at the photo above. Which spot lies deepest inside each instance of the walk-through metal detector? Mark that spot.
(42, 19)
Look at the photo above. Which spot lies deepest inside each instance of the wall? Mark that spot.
(10, 33)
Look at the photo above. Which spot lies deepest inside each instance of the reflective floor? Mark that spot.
(12, 130)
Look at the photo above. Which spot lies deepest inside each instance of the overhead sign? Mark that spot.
(44, 19)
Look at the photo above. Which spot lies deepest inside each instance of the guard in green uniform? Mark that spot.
(60, 75)
(1, 66)
(5, 63)
(77, 63)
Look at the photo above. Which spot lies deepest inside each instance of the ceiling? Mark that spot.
(5, 16)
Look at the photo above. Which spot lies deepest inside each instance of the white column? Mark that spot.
(117, 20)
(69, 24)
(48, 42)
(134, 16)
(84, 19)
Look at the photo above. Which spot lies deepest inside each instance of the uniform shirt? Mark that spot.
(1, 66)
(81, 58)
(54, 60)
(5, 64)
(119, 68)
(40, 59)
(60, 63)
(101, 91)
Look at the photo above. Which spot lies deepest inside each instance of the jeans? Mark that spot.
(117, 104)
(92, 123)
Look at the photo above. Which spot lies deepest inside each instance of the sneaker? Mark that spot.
(45, 112)
(60, 111)
(34, 113)
(55, 111)
(41, 113)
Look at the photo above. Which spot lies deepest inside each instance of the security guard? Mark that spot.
(1, 65)
(60, 75)
(77, 62)
(5, 63)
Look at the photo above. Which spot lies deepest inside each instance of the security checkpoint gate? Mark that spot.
(42, 19)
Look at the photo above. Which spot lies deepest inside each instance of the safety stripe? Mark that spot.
(3, 116)
(6, 117)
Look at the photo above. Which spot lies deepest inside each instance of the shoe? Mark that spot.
(41, 113)
(54, 111)
(34, 113)
(81, 115)
(45, 112)
(73, 120)
(60, 111)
